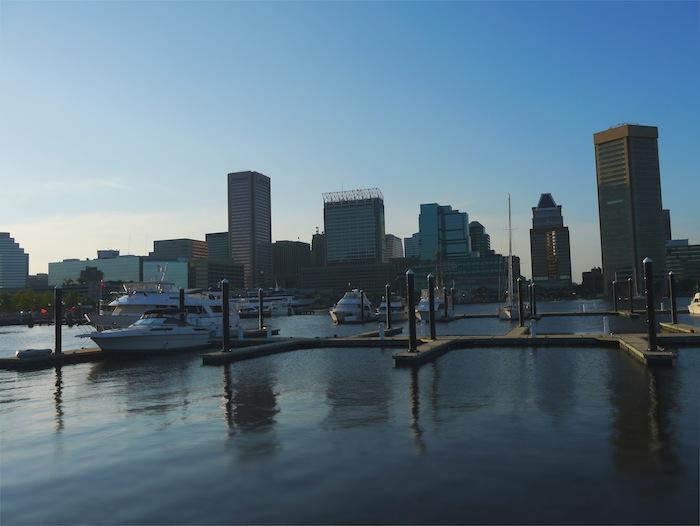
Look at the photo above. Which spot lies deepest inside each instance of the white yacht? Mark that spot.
(347, 310)
(423, 307)
(399, 310)
(694, 307)
(155, 331)
(203, 308)
(509, 310)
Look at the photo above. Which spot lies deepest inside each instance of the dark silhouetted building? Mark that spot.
(38, 281)
(318, 249)
(179, 248)
(592, 281)
(107, 254)
(550, 249)
(218, 246)
(683, 259)
(354, 226)
(250, 226)
(393, 247)
(629, 203)
(666, 216)
(411, 246)
(208, 273)
(288, 257)
(479, 239)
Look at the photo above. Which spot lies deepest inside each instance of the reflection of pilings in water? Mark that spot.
(434, 389)
(654, 429)
(415, 412)
(228, 397)
(58, 400)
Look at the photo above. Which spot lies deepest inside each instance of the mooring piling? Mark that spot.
(57, 317)
(672, 296)
(630, 294)
(387, 295)
(225, 316)
(521, 313)
(533, 303)
(260, 309)
(410, 294)
(614, 293)
(444, 302)
(431, 305)
(181, 305)
(651, 308)
(452, 298)
(362, 306)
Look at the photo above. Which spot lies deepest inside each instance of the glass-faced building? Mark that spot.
(629, 203)
(480, 241)
(444, 233)
(411, 246)
(354, 226)
(14, 263)
(550, 248)
(250, 226)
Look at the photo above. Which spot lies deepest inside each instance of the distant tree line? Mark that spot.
(29, 300)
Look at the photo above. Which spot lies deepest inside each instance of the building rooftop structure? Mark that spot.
(359, 194)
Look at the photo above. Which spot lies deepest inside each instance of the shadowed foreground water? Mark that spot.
(339, 436)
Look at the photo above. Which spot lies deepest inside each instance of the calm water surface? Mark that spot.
(338, 435)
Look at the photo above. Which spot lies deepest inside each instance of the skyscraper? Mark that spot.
(444, 233)
(479, 239)
(629, 203)
(14, 263)
(550, 249)
(393, 247)
(217, 245)
(250, 226)
(666, 215)
(288, 258)
(411, 246)
(354, 225)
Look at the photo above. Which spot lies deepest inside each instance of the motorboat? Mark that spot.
(348, 308)
(155, 331)
(694, 307)
(203, 308)
(509, 310)
(399, 310)
(423, 307)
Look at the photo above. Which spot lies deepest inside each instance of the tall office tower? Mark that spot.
(479, 239)
(444, 233)
(393, 247)
(666, 217)
(629, 203)
(14, 263)
(550, 249)
(318, 249)
(250, 226)
(179, 248)
(354, 225)
(217, 245)
(411, 246)
(288, 258)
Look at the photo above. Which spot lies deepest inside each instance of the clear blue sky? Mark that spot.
(119, 121)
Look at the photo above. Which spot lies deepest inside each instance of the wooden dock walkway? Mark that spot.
(679, 328)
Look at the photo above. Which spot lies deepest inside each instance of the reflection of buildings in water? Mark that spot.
(156, 386)
(414, 397)
(58, 400)
(250, 406)
(554, 381)
(642, 399)
(358, 393)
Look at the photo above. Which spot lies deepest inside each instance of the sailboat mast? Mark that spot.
(510, 257)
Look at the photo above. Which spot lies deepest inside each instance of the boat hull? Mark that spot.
(151, 343)
(694, 309)
(346, 317)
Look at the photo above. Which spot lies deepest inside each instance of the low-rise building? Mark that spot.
(393, 248)
(683, 259)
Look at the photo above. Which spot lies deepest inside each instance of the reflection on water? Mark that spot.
(479, 436)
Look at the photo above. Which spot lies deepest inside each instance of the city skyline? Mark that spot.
(120, 163)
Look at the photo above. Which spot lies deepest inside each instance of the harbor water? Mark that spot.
(508, 435)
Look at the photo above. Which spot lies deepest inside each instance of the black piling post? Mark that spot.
(521, 311)
(431, 305)
(410, 295)
(529, 297)
(452, 297)
(444, 301)
(651, 309)
(672, 295)
(225, 315)
(260, 309)
(387, 294)
(614, 293)
(181, 305)
(533, 303)
(630, 294)
(362, 306)
(57, 317)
